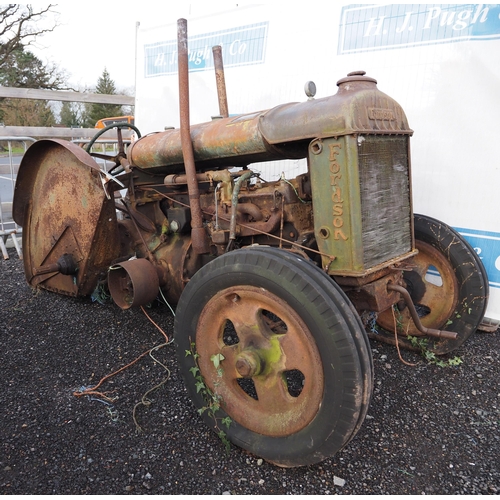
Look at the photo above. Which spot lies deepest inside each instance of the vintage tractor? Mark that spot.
(271, 279)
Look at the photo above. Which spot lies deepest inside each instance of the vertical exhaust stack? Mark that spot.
(220, 81)
(199, 236)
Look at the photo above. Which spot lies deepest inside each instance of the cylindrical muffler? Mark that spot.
(133, 283)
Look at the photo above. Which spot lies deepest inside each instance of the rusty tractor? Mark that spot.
(270, 279)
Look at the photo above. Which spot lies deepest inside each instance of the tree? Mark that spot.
(20, 26)
(25, 70)
(70, 115)
(27, 113)
(105, 85)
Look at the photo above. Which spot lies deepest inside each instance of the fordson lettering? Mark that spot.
(381, 114)
(337, 199)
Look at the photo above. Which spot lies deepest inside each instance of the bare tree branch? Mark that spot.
(21, 25)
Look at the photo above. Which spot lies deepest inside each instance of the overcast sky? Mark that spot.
(88, 39)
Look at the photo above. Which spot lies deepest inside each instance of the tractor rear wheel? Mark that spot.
(276, 352)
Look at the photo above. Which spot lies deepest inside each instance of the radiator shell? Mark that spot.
(362, 202)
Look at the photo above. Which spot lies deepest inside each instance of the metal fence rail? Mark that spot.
(10, 158)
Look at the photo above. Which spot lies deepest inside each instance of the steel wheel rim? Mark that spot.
(440, 300)
(266, 353)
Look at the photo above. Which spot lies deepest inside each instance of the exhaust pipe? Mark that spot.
(199, 236)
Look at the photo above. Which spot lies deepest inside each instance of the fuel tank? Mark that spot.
(283, 132)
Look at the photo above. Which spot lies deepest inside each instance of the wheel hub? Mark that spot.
(248, 364)
(271, 378)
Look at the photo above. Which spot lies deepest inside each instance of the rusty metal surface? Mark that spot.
(269, 347)
(358, 107)
(199, 236)
(61, 198)
(220, 143)
(375, 296)
(220, 81)
(28, 170)
(261, 208)
(133, 283)
(432, 332)
(171, 256)
(252, 215)
(234, 203)
(350, 214)
(351, 242)
(281, 132)
(436, 301)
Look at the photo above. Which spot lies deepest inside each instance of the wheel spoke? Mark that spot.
(297, 353)
(230, 354)
(246, 316)
(420, 266)
(435, 295)
(273, 394)
(119, 137)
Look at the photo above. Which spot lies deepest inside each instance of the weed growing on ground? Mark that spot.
(422, 345)
(212, 399)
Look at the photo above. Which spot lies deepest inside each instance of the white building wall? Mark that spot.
(441, 62)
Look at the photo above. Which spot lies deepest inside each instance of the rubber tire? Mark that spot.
(472, 282)
(337, 331)
(357, 329)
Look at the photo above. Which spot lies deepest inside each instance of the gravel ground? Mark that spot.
(429, 430)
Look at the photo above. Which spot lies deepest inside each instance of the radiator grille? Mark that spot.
(385, 197)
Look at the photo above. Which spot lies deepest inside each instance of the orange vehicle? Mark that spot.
(104, 122)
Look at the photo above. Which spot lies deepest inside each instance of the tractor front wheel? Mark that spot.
(448, 285)
(277, 358)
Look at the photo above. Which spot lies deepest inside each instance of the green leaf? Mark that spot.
(199, 386)
(226, 421)
(455, 361)
(194, 370)
(223, 437)
(216, 359)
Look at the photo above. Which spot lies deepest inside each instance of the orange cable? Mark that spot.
(92, 390)
(397, 343)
